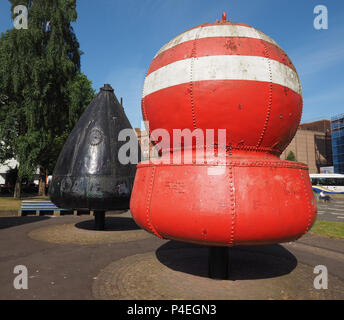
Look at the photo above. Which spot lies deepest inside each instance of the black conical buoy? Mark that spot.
(88, 173)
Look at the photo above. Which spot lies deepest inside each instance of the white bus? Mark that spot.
(331, 183)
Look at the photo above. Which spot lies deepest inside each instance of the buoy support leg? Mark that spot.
(99, 220)
(218, 262)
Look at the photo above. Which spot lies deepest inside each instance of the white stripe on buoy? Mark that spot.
(217, 31)
(222, 67)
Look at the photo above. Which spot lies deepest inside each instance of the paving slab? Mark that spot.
(331, 211)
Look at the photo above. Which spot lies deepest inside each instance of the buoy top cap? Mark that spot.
(106, 87)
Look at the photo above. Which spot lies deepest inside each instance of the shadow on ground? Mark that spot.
(8, 222)
(249, 262)
(83, 212)
(111, 224)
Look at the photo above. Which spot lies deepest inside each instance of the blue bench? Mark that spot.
(39, 206)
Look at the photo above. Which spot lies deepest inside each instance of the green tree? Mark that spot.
(291, 156)
(80, 94)
(40, 86)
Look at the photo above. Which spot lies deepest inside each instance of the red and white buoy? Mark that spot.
(229, 76)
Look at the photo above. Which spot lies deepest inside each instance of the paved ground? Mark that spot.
(145, 267)
(332, 210)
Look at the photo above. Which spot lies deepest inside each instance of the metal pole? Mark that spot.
(99, 220)
(218, 262)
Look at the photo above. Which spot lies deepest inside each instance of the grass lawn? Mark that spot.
(329, 229)
(8, 203)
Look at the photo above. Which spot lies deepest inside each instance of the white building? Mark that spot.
(12, 164)
(4, 168)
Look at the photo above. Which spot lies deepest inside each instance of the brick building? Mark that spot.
(312, 145)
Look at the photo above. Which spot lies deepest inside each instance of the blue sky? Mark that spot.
(119, 38)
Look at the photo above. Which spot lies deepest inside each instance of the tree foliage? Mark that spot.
(291, 156)
(42, 90)
(11, 176)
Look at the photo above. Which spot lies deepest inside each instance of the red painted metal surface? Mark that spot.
(224, 76)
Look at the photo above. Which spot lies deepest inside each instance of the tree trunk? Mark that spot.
(42, 184)
(41, 188)
(17, 189)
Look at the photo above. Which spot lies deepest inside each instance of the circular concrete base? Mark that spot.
(82, 233)
(182, 274)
